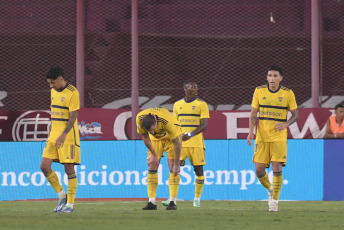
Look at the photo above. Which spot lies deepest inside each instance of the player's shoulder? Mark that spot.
(262, 87)
(71, 88)
(180, 101)
(285, 88)
(141, 115)
(201, 100)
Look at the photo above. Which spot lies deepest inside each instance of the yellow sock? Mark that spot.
(277, 185)
(199, 183)
(72, 184)
(152, 183)
(54, 181)
(265, 181)
(173, 182)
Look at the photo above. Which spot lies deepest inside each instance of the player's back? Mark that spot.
(166, 123)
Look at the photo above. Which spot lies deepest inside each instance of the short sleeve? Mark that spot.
(173, 128)
(74, 103)
(292, 101)
(175, 111)
(204, 110)
(255, 101)
(140, 129)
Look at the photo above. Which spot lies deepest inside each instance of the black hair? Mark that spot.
(338, 106)
(276, 68)
(54, 73)
(188, 81)
(148, 121)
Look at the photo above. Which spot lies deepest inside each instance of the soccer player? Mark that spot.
(160, 132)
(63, 144)
(272, 101)
(193, 115)
(335, 124)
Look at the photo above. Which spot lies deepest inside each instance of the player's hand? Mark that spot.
(60, 141)
(250, 138)
(280, 126)
(176, 169)
(185, 137)
(153, 159)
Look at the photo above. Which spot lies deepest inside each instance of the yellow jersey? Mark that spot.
(168, 127)
(189, 114)
(62, 103)
(273, 108)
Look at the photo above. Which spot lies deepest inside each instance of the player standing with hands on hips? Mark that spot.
(272, 101)
(63, 144)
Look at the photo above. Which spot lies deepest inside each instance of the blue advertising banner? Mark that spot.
(118, 169)
(333, 170)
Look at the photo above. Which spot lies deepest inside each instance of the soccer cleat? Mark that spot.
(197, 203)
(66, 209)
(273, 207)
(166, 202)
(61, 204)
(150, 206)
(171, 206)
(269, 196)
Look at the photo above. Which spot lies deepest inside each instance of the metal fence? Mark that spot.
(225, 45)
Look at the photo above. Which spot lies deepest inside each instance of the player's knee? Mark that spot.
(198, 170)
(45, 168)
(260, 173)
(153, 166)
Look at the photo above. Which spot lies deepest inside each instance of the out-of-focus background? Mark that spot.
(226, 45)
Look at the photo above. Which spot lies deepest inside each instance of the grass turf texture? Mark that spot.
(212, 215)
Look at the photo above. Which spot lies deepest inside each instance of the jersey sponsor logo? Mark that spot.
(61, 114)
(280, 99)
(272, 114)
(90, 131)
(32, 126)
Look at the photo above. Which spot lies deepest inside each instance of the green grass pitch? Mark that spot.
(97, 215)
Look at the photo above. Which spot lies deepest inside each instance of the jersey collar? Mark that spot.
(275, 90)
(190, 100)
(60, 90)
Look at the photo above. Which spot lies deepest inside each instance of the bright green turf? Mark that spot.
(212, 215)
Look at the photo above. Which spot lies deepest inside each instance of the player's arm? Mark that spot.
(153, 158)
(177, 149)
(203, 126)
(329, 133)
(294, 117)
(73, 115)
(252, 124)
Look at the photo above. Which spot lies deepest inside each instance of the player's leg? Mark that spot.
(199, 184)
(70, 156)
(261, 159)
(50, 154)
(152, 177)
(170, 166)
(173, 181)
(72, 185)
(278, 159)
(197, 159)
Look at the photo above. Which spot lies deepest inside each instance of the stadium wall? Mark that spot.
(117, 169)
